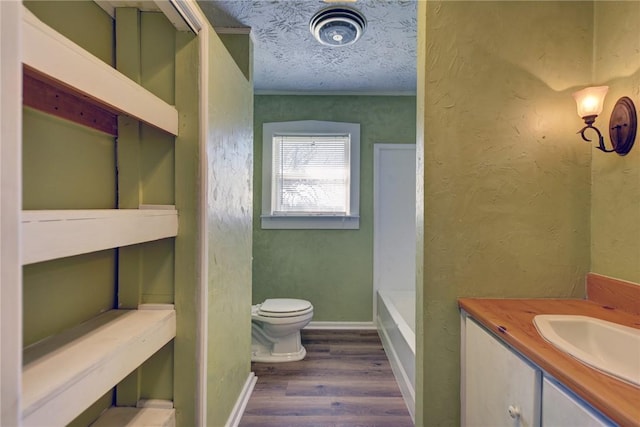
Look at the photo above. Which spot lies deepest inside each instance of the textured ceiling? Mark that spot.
(288, 59)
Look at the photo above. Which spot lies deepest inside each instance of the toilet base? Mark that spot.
(277, 343)
(262, 354)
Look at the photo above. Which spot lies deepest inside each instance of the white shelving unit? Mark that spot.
(48, 235)
(53, 55)
(129, 417)
(64, 374)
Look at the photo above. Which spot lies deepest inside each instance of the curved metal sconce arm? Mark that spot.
(623, 123)
(601, 145)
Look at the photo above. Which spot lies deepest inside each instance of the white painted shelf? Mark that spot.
(136, 417)
(64, 374)
(53, 55)
(48, 235)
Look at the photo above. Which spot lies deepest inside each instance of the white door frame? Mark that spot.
(10, 209)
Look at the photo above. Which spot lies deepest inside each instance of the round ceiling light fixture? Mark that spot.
(337, 26)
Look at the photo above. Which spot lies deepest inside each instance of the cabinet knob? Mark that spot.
(514, 411)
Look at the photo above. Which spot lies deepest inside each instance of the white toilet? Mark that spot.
(275, 329)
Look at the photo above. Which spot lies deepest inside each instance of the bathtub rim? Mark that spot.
(405, 384)
(406, 331)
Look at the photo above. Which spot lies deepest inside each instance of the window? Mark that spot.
(310, 175)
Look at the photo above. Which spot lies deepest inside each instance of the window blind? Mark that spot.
(311, 175)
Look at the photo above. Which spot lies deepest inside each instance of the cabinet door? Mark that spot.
(500, 388)
(560, 409)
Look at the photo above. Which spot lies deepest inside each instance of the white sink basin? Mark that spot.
(608, 347)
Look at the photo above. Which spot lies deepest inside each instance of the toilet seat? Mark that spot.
(283, 307)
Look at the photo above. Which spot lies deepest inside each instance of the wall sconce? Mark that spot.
(622, 125)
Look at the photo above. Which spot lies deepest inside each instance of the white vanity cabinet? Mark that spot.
(499, 387)
(560, 408)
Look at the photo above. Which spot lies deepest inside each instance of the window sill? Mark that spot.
(320, 222)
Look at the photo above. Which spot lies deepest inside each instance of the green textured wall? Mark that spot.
(506, 181)
(615, 204)
(229, 158)
(331, 268)
(241, 50)
(83, 22)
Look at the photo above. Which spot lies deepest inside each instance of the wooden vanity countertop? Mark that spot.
(512, 321)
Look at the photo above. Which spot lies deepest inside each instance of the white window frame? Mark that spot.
(311, 221)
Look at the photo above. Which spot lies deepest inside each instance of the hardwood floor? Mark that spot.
(345, 381)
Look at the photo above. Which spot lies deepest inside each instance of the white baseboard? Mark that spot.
(241, 403)
(341, 325)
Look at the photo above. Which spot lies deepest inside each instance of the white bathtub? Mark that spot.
(396, 319)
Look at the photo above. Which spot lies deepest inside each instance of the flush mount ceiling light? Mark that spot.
(337, 26)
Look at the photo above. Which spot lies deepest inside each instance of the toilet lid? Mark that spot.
(284, 307)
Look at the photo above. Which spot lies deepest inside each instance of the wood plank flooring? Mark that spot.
(345, 381)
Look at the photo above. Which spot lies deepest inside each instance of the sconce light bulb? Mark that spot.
(590, 101)
(590, 105)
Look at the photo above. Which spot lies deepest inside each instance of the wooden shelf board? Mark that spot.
(52, 234)
(131, 417)
(47, 52)
(64, 374)
(44, 95)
